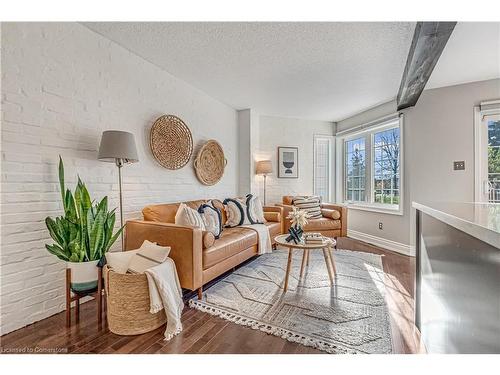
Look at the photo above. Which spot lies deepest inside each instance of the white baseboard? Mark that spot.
(380, 242)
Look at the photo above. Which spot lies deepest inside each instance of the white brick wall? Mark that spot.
(62, 85)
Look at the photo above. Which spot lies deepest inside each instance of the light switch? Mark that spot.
(459, 165)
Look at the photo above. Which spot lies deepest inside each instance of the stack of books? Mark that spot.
(313, 238)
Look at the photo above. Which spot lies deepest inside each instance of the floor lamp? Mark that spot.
(264, 167)
(118, 147)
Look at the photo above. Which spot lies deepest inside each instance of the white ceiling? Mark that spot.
(471, 54)
(321, 71)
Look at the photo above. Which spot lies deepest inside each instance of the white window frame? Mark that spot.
(368, 130)
(489, 109)
(331, 172)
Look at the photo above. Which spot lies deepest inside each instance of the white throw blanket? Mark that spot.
(264, 237)
(165, 293)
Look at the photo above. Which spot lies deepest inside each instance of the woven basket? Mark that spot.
(210, 163)
(127, 298)
(171, 142)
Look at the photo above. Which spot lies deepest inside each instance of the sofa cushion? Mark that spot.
(322, 224)
(274, 229)
(231, 242)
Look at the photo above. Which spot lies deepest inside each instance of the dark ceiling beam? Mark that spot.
(427, 45)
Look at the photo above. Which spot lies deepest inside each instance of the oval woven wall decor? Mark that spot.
(171, 142)
(210, 163)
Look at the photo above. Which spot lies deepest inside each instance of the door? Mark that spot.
(487, 153)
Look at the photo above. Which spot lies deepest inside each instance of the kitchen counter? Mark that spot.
(457, 295)
(480, 220)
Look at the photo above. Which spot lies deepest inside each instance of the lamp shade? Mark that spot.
(116, 144)
(264, 167)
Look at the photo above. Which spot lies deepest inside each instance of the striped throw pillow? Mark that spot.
(309, 204)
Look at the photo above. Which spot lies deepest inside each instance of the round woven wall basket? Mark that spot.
(210, 163)
(171, 142)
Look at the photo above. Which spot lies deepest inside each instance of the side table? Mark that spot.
(326, 246)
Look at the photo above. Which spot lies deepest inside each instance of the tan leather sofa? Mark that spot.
(326, 225)
(198, 256)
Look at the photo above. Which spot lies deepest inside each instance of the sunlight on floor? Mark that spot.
(400, 304)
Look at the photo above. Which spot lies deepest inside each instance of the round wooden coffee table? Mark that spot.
(326, 246)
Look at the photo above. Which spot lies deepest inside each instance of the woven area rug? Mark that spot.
(350, 317)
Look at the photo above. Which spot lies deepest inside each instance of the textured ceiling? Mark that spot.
(322, 71)
(471, 54)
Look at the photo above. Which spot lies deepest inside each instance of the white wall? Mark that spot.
(288, 132)
(248, 143)
(62, 85)
(437, 131)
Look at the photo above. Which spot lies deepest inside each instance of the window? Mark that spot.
(371, 170)
(323, 164)
(355, 167)
(386, 166)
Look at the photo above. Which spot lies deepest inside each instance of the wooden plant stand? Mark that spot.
(75, 296)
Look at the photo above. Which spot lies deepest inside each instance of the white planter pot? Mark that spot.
(83, 275)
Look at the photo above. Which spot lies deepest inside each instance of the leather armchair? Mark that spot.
(327, 225)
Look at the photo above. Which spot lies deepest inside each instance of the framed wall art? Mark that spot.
(288, 162)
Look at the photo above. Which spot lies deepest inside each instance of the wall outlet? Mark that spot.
(459, 165)
(380, 226)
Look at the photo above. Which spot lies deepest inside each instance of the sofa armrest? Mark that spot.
(286, 210)
(274, 217)
(278, 210)
(343, 215)
(185, 243)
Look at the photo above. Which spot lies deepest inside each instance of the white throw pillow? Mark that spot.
(118, 261)
(149, 255)
(187, 216)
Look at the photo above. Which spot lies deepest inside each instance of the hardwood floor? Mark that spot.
(204, 333)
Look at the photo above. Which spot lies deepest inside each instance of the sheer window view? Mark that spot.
(386, 166)
(494, 161)
(355, 169)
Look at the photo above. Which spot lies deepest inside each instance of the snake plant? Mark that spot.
(85, 232)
